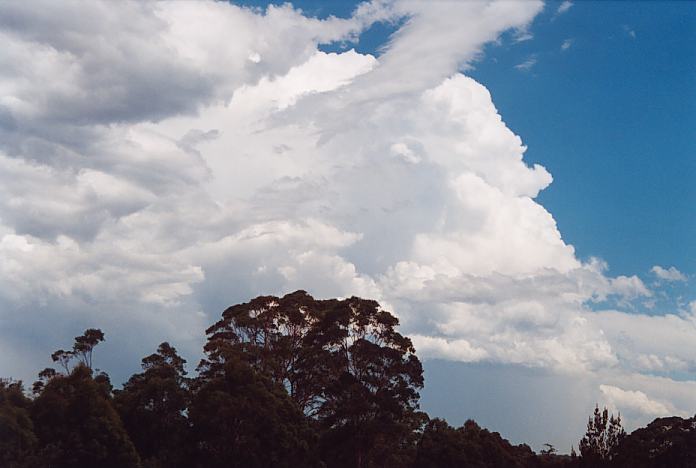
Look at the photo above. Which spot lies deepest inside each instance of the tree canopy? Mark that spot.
(604, 434)
(285, 382)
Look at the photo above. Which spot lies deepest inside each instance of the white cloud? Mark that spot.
(566, 44)
(564, 7)
(620, 400)
(527, 64)
(668, 274)
(630, 287)
(191, 173)
(523, 35)
(456, 350)
(652, 343)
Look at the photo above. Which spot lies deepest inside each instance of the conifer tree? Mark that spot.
(603, 436)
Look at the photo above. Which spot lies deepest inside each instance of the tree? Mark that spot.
(152, 405)
(77, 426)
(63, 358)
(17, 439)
(270, 334)
(85, 343)
(82, 349)
(341, 361)
(549, 450)
(369, 384)
(74, 421)
(241, 418)
(665, 442)
(442, 446)
(44, 376)
(603, 436)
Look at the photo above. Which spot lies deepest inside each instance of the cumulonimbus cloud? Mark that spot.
(184, 156)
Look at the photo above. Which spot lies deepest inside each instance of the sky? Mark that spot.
(513, 180)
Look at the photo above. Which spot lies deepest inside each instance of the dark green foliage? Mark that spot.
(603, 436)
(341, 361)
(152, 405)
(44, 376)
(286, 382)
(549, 450)
(76, 425)
(241, 418)
(369, 405)
(270, 334)
(85, 343)
(82, 349)
(665, 442)
(63, 358)
(17, 439)
(442, 446)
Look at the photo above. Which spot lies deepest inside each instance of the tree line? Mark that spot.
(286, 381)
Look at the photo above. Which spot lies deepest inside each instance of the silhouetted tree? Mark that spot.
(341, 361)
(76, 425)
(664, 443)
(152, 405)
(369, 385)
(549, 450)
(286, 382)
(85, 343)
(63, 358)
(604, 434)
(270, 334)
(442, 446)
(44, 376)
(17, 439)
(241, 418)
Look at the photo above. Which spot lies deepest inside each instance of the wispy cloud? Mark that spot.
(564, 7)
(630, 31)
(566, 44)
(527, 64)
(522, 35)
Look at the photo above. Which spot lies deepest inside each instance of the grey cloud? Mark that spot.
(87, 68)
(157, 210)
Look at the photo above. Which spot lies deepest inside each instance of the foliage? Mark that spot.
(76, 425)
(286, 381)
(241, 418)
(85, 343)
(443, 446)
(603, 436)
(152, 405)
(549, 450)
(82, 349)
(341, 361)
(665, 442)
(17, 439)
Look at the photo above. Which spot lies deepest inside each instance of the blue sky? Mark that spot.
(183, 157)
(608, 106)
(612, 118)
(603, 96)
